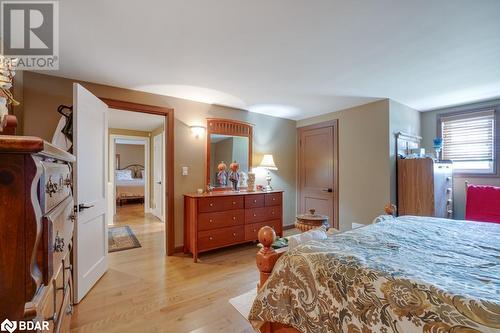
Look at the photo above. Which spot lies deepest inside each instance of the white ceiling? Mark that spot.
(289, 58)
(134, 120)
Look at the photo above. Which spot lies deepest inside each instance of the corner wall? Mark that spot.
(402, 118)
(43, 93)
(364, 171)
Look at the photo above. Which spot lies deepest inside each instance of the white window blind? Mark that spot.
(469, 137)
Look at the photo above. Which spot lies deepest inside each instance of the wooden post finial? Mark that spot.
(267, 256)
(266, 237)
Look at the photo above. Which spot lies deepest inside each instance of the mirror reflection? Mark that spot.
(228, 160)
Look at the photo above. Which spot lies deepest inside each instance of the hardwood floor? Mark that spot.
(146, 291)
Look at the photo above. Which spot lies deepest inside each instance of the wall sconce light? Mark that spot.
(197, 130)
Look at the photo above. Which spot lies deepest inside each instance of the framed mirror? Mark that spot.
(228, 142)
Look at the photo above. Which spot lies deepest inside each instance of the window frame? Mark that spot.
(496, 138)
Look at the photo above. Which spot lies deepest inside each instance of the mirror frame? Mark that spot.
(228, 127)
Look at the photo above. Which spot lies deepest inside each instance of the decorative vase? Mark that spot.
(438, 146)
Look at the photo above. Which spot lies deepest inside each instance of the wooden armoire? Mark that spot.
(425, 187)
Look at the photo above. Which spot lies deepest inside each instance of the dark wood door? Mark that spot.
(318, 170)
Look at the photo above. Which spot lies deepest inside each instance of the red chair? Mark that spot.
(482, 203)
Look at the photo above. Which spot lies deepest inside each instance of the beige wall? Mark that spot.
(130, 154)
(364, 170)
(42, 94)
(429, 132)
(401, 119)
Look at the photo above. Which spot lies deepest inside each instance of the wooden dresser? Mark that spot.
(36, 228)
(218, 219)
(425, 187)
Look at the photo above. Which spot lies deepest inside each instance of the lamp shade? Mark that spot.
(268, 162)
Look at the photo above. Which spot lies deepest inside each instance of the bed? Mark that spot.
(405, 275)
(130, 184)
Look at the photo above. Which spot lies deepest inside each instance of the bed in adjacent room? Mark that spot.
(404, 275)
(130, 184)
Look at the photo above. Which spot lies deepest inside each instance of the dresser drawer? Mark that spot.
(208, 221)
(57, 235)
(255, 200)
(55, 185)
(252, 230)
(262, 214)
(273, 199)
(211, 239)
(217, 204)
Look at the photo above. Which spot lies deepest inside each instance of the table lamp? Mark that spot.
(268, 164)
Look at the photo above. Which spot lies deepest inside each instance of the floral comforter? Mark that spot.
(410, 274)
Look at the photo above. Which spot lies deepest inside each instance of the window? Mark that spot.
(469, 141)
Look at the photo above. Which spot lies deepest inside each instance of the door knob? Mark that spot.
(159, 183)
(82, 207)
(329, 190)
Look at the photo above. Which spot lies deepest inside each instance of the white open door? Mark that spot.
(90, 131)
(158, 176)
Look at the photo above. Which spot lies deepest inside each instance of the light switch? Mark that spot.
(185, 171)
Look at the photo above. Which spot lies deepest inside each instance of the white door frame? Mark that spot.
(112, 159)
(162, 218)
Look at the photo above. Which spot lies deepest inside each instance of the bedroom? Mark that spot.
(318, 101)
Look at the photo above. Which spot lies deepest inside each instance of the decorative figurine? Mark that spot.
(391, 209)
(234, 176)
(251, 182)
(7, 72)
(222, 174)
(243, 179)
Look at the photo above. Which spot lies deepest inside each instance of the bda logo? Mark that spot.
(8, 325)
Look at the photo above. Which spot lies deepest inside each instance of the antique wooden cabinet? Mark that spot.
(223, 218)
(36, 228)
(425, 187)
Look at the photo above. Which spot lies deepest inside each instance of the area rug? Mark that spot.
(121, 238)
(243, 303)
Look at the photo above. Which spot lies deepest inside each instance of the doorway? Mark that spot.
(135, 177)
(161, 199)
(318, 169)
(129, 165)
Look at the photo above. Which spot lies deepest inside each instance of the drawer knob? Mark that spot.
(272, 213)
(210, 220)
(211, 204)
(254, 230)
(210, 238)
(234, 202)
(448, 178)
(274, 199)
(234, 218)
(68, 181)
(254, 201)
(51, 187)
(72, 217)
(234, 234)
(58, 243)
(254, 215)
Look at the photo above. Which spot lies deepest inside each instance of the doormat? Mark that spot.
(121, 238)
